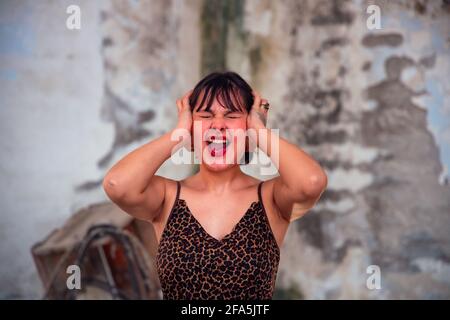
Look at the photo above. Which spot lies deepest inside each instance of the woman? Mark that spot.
(220, 230)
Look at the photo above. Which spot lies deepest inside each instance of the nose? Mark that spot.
(218, 123)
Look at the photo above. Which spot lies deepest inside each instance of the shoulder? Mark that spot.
(170, 190)
(277, 221)
(267, 195)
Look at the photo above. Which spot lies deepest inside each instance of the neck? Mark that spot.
(218, 181)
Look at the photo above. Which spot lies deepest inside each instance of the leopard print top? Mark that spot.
(191, 264)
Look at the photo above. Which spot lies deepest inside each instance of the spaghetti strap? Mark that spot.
(259, 192)
(178, 191)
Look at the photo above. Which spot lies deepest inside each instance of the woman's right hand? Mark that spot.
(184, 112)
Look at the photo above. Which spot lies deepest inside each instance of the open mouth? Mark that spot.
(217, 146)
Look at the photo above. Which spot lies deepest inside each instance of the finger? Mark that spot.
(187, 95)
(264, 104)
(185, 101)
(257, 101)
(264, 111)
(179, 106)
(256, 95)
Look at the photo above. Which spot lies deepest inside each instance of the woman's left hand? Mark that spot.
(257, 118)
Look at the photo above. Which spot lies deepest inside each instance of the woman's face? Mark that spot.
(222, 136)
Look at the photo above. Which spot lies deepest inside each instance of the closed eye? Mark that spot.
(204, 115)
(233, 116)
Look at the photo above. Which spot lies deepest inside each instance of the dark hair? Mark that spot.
(231, 91)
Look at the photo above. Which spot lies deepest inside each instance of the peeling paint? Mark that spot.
(353, 180)
(389, 39)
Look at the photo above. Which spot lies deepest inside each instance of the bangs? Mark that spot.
(230, 90)
(226, 98)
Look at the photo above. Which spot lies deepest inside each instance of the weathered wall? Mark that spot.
(371, 106)
(73, 103)
(50, 131)
(363, 103)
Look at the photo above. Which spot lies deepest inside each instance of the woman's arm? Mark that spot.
(301, 180)
(132, 184)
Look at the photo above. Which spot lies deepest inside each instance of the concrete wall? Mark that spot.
(371, 105)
